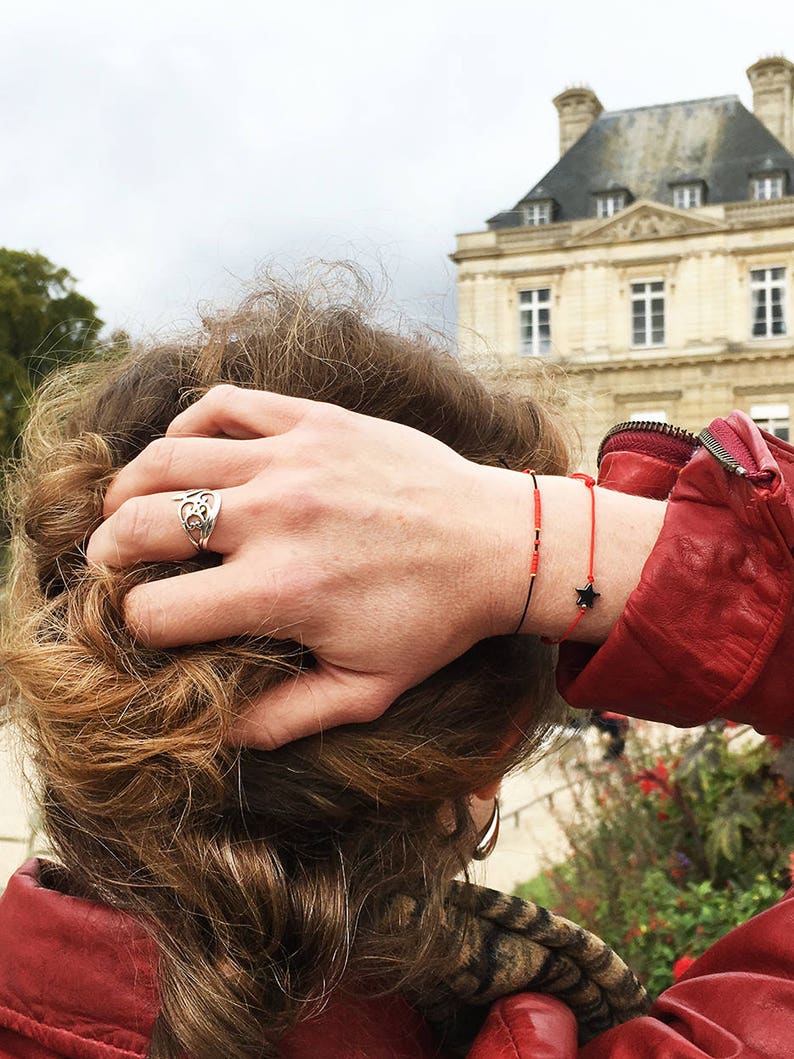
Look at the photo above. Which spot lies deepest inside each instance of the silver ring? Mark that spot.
(198, 513)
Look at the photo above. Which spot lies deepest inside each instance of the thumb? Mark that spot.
(313, 701)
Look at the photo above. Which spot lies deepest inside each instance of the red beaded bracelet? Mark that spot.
(533, 569)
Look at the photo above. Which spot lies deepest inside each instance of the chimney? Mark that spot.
(578, 108)
(773, 96)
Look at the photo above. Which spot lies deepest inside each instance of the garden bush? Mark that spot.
(674, 845)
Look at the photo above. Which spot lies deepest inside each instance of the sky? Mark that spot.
(164, 152)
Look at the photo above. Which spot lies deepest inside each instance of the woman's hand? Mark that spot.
(376, 546)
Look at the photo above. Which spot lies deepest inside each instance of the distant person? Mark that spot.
(616, 727)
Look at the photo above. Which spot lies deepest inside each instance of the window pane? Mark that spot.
(768, 412)
(778, 327)
(657, 415)
(657, 286)
(777, 273)
(535, 321)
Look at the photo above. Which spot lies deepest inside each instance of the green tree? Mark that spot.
(44, 323)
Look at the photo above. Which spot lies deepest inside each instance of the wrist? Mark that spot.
(624, 532)
(506, 512)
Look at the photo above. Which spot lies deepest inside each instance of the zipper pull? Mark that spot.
(720, 453)
(728, 448)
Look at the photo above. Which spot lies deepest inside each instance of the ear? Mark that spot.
(487, 794)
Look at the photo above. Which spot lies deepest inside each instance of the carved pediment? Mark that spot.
(648, 220)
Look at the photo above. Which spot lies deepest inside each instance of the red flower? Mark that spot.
(655, 779)
(681, 966)
(775, 741)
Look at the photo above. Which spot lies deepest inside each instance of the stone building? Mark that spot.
(652, 265)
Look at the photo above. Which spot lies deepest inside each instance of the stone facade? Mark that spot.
(654, 312)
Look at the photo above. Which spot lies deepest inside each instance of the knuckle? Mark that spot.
(142, 616)
(369, 709)
(129, 525)
(304, 501)
(222, 394)
(161, 454)
(324, 418)
(276, 497)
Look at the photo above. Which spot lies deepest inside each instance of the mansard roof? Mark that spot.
(648, 149)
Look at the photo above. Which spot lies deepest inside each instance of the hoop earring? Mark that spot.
(490, 836)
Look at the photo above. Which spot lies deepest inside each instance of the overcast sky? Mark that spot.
(162, 151)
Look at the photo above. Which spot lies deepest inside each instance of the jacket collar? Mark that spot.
(80, 979)
(75, 976)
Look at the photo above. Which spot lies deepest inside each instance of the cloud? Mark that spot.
(160, 151)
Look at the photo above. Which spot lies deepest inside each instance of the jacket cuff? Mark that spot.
(709, 630)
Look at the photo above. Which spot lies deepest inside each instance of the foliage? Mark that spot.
(673, 847)
(44, 323)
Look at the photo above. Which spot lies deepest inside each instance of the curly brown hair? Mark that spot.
(265, 878)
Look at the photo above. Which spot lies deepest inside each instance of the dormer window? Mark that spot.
(768, 186)
(540, 212)
(688, 196)
(609, 202)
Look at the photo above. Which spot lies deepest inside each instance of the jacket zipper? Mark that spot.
(720, 453)
(647, 426)
(719, 439)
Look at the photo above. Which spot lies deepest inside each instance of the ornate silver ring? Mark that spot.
(198, 513)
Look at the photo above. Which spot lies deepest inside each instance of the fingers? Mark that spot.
(148, 529)
(242, 414)
(186, 463)
(313, 701)
(195, 607)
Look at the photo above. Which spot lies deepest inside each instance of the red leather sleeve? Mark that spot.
(527, 1026)
(709, 630)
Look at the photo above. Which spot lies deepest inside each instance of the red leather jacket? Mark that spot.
(708, 632)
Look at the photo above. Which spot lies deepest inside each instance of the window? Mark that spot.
(610, 203)
(537, 212)
(767, 187)
(768, 294)
(774, 418)
(647, 313)
(656, 415)
(535, 322)
(687, 196)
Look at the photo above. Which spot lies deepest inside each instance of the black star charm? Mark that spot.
(586, 597)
